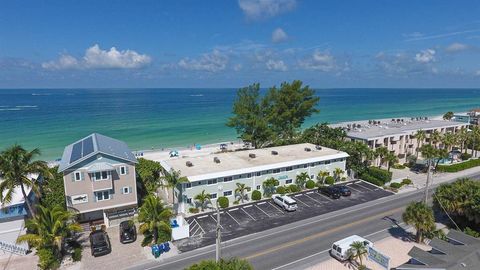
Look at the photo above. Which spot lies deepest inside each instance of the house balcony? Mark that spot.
(101, 176)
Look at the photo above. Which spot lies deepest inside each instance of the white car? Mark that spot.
(285, 202)
(341, 248)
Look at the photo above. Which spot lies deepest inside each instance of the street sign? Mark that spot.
(379, 258)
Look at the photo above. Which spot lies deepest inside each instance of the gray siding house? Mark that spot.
(100, 182)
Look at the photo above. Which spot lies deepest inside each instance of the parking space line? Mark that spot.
(202, 216)
(297, 195)
(232, 217)
(248, 214)
(233, 209)
(263, 211)
(313, 199)
(190, 223)
(276, 207)
(355, 189)
(300, 201)
(310, 192)
(325, 196)
(370, 184)
(364, 188)
(247, 206)
(199, 225)
(260, 203)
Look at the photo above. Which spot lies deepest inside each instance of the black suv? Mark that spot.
(128, 232)
(330, 191)
(344, 190)
(100, 243)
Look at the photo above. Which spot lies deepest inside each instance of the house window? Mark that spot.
(258, 187)
(227, 179)
(212, 181)
(227, 193)
(102, 195)
(78, 176)
(101, 176)
(126, 190)
(213, 195)
(288, 181)
(123, 170)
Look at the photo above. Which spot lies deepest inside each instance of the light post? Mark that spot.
(218, 253)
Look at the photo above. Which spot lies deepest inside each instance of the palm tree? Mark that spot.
(420, 135)
(358, 250)
(240, 191)
(421, 217)
(49, 227)
(435, 138)
(174, 179)
(321, 176)
(448, 116)
(462, 137)
(155, 219)
(381, 152)
(391, 159)
(337, 173)
(203, 198)
(16, 164)
(474, 137)
(448, 141)
(302, 179)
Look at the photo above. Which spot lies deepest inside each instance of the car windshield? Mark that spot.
(290, 203)
(98, 239)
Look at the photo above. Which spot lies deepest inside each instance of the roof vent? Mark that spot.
(274, 153)
(318, 147)
(307, 149)
(216, 160)
(252, 155)
(189, 164)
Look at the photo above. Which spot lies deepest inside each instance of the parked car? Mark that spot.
(287, 203)
(128, 232)
(342, 250)
(100, 243)
(344, 190)
(330, 191)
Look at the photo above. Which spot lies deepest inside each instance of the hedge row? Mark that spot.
(459, 166)
(376, 176)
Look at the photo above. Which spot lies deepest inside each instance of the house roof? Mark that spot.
(461, 251)
(92, 145)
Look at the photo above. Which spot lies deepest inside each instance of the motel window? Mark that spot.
(212, 181)
(227, 179)
(188, 185)
(276, 171)
(289, 169)
(102, 195)
(78, 176)
(123, 170)
(312, 164)
(189, 200)
(213, 195)
(249, 175)
(258, 187)
(305, 165)
(327, 162)
(288, 181)
(258, 173)
(227, 193)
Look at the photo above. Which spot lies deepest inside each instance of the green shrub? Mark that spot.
(329, 180)
(398, 166)
(406, 182)
(459, 166)
(193, 210)
(47, 259)
(294, 188)
(380, 174)
(236, 202)
(281, 190)
(471, 232)
(256, 195)
(310, 184)
(287, 189)
(77, 254)
(465, 156)
(371, 179)
(223, 202)
(396, 185)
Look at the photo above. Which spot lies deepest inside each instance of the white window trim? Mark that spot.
(79, 176)
(128, 190)
(216, 194)
(188, 187)
(103, 199)
(124, 170)
(213, 183)
(231, 191)
(102, 179)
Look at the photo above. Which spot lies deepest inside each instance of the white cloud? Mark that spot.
(425, 56)
(211, 62)
(276, 65)
(322, 61)
(457, 47)
(477, 73)
(278, 35)
(96, 58)
(237, 67)
(413, 35)
(261, 9)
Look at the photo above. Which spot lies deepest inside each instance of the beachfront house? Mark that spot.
(219, 173)
(397, 135)
(100, 182)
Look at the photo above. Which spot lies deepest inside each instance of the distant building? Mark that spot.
(12, 221)
(397, 135)
(100, 181)
(218, 174)
(474, 116)
(459, 252)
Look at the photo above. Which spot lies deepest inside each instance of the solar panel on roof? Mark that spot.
(87, 146)
(76, 152)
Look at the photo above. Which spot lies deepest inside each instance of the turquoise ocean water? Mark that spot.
(52, 118)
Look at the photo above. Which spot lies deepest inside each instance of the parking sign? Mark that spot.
(379, 258)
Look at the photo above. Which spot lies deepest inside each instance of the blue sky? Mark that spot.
(235, 43)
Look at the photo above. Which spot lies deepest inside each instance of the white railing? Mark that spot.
(12, 248)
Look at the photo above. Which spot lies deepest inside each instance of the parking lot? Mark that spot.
(249, 218)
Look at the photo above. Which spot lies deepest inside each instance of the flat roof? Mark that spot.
(239, 162)
(387, 127)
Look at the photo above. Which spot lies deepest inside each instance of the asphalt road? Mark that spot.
(304, 243)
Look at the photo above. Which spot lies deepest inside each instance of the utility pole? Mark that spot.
(427, 184)
(218, 250)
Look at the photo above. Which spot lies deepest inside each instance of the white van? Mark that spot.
(287, 203)
(341, 248)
